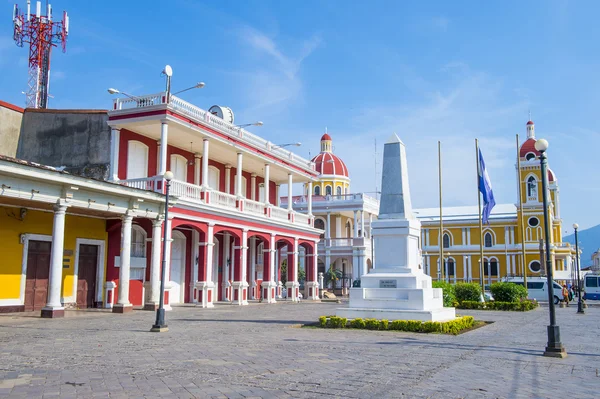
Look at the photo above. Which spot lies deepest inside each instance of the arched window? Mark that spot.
(213, 177)
(530, 156)
(138, 242)
(327, 190)
(137, 160)
(179, 167)
(320, 224)
(494, 268)
(451, 267)
(317, 190)
(348, 229)
(446, 241)
(338, 191)
(532, 187)
(488, 240)
(261, 192)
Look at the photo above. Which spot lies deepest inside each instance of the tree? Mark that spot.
(332, 276)
(301, 272)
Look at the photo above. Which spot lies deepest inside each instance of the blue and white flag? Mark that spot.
(485, 187)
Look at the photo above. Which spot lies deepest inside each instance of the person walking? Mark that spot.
(565, 293)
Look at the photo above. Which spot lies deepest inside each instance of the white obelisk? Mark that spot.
(396, 288)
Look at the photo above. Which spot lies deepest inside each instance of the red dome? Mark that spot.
(527, 147)
(329, 164)
(551, 176)
(530, 122)
(326, 137)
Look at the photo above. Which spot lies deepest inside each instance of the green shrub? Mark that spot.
(383, 324)
(372, 324)
(323, 321)
(358, 323)
(508, 292)
(519, 306)
(446, 327)
(448, 291)
(467, 292)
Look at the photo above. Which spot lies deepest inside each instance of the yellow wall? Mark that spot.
(38, 222)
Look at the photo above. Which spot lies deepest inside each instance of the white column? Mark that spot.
(277, 197)
(227, 265)
(294, 285)
(155, 262)
(238, 177)
(205, 163)
(115, 136)
(164, 133)
(371, 229)
(328, 227)
(228, 179)
(252, 276)
(243, 284)
(355, 226)
(267, 169)
(362, 223)
(253, 186)
(310, 194)
(289, 195)
(208, 286)
(197, 169)
(54, 307)
(123, 305)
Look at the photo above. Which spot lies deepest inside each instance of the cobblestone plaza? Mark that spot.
(259, 351)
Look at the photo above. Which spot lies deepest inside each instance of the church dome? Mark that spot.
(327, 163)
(528, 147)
(551, 175)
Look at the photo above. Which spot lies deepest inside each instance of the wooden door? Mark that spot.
(86, 279)
(38, 271)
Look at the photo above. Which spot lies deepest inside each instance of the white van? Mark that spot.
(537, 288)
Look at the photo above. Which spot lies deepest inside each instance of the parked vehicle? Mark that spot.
(591, 286)
(537, 288)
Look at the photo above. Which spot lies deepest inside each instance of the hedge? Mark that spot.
(467, 291)
(508, 292)
(520, 306)
(445, 327)
(448, 292)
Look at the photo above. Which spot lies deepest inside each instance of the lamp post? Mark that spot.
(554, 347)
(159, 325)
(298, 144)
(579, 303)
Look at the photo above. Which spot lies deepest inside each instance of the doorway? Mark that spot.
(178, 246)
(87, 270)
(38, 271)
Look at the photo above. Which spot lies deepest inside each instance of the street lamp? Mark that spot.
(159, 325)
(579, 303)
(287, 145)
(198, 85)
(554, 348)
(257, 123)
(115, 91)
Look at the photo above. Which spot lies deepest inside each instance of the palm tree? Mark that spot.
(332, 276)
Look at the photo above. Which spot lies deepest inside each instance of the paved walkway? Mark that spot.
(258, 351)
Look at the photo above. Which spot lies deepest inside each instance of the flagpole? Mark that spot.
(521, 224)
(441, 239)
(480, 222)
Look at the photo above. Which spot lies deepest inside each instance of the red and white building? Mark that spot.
(226, 228)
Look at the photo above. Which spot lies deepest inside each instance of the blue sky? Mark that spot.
(449, 71)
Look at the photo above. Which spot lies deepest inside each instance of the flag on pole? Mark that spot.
(485, 187)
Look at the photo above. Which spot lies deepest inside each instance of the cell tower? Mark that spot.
(42, 33)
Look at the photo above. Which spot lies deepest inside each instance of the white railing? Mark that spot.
(279, 213)
(340, 242)
(223, 199)
(143, 183)
(301, 218)
(185, 190)
(258, 208)
(214, 121)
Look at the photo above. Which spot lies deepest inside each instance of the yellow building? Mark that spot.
(505, 235)
(53, 236)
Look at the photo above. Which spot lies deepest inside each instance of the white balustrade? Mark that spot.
(341, 242)
(301, 218)
(143, 183)
(255, 207)
(223, 199)
(279, 213)
(197, 113)
(185, 190)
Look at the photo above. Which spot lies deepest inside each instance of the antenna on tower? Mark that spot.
(42, 33)
(376, 179)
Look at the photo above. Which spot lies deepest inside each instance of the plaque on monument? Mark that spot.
(387, 284)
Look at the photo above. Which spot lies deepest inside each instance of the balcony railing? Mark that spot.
(198, 194)
(358, 197)
(340, 242)
(206, 117)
